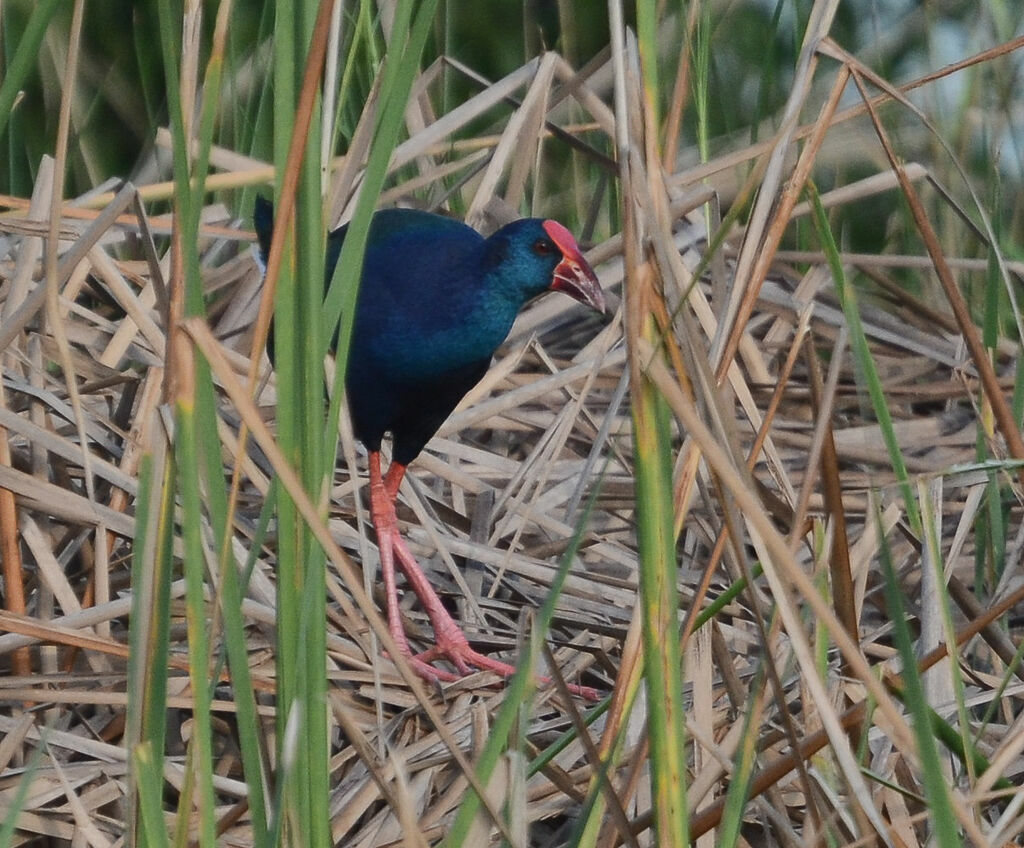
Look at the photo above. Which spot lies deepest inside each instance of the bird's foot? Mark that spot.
(456, 649)
(453, 646)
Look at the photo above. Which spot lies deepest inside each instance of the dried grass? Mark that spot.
(494, 502)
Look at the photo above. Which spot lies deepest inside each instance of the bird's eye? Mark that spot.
(542, 247)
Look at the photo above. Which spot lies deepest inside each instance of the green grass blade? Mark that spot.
(743, 771)
(866, 370)
(660, 602)
(26, 54)
(197, 617)
(303, 815)
(146, 761)
(547, 756)
(149, 633)
(647, 27)
(250, 729)
(316, 465)
(702, 80)
(400, 69)
(655, 520)
(592, 814)
(197, 456)
(945, 828)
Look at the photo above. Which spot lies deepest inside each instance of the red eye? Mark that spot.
(542, 247)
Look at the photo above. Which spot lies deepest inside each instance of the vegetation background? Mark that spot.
(121, 88)
(753, 509)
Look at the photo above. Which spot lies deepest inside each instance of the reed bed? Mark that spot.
(826, 461)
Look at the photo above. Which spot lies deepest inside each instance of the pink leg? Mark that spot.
(382, 512)
(451, 642)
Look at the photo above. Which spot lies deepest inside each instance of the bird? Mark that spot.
(436, 299)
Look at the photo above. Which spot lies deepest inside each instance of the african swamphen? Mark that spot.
(436, 299)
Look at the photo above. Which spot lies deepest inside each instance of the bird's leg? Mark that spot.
(451, 642)
(385, 522)
(382, 511)
(393, 479)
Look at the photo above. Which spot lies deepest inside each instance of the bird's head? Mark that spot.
(543, 256)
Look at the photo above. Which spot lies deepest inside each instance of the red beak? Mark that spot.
(573, 275)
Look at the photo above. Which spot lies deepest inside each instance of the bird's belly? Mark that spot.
(411, 410)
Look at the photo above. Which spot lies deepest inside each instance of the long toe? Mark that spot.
(459, 653)
(429, 672)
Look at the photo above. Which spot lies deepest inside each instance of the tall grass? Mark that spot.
(748, 529)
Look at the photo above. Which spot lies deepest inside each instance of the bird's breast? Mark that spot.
(408, 353)
(418, 321)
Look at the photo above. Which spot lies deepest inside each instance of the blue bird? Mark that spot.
(436, 299)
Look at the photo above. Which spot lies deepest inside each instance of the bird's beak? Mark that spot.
(573, 275)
